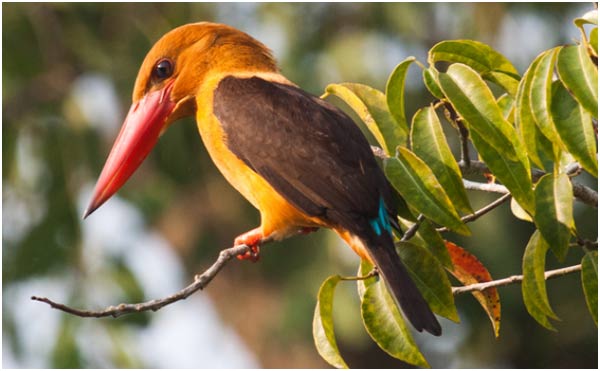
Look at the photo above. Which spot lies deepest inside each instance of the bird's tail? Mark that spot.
(381, 250)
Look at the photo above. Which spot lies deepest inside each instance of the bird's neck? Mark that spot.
(236, 58)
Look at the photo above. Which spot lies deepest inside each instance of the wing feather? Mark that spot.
(308, 150)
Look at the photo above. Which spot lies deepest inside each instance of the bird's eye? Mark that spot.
(163, 69)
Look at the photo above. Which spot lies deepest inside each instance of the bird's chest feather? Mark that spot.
(241, 177)
(278, 215)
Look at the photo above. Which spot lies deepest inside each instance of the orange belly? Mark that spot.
(279, 218)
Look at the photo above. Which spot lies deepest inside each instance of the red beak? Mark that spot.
(140, 131)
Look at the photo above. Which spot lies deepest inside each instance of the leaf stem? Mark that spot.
(374, 272)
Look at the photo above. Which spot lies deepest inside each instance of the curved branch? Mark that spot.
(513, 279)
(200, 282)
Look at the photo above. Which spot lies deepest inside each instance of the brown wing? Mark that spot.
(308, 150)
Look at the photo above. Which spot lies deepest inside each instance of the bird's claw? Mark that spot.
(251, 239)
(253, 254)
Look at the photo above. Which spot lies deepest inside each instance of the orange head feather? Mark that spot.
(165, 90)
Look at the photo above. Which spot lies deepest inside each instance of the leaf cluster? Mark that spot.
(533, 135)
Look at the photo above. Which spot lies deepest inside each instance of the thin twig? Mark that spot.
(452, 115)
(374, 272)
(465, 157)
(479, 213)
(410, 232)
(485, 187)
(585, 194)
(200, 282)
(513, 279)
(588, 244)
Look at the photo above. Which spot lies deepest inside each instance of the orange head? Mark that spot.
(166, 87)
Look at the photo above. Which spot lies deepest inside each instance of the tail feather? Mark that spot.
(381, 250)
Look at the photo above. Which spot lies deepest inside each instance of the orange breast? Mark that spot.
(279, 217)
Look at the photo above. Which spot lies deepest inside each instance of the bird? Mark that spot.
(301, 161)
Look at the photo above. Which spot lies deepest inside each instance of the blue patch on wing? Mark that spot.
(381, 222)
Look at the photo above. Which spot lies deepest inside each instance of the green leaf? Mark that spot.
(594, 40)
(475, 103)
(417, 184)
(514, 175)
(434, 242)
(574, 127)
(430, 78)
(387, 327)
(519, 212)
(538, 147)
(323, 334)
(579, 74)
(477, 55)
(371, 106)
(590, 17)
(428, 237)
(508, 82)
(429, 143)
(430, 278)
(507, 105)
(554, 199)
(394, 91)
(490, 64)
(589, 281)
(541, 94)
(534, 283)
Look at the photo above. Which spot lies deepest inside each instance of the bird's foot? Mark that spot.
(308, 230)
(251, 239)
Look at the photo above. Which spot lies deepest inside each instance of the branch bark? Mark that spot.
(200, 282)
(513, 279)
(485, 187)
(583, 193)
(481, 212)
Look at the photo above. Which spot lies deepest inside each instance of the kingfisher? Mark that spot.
(302, 162)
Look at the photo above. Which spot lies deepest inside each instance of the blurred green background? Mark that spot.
(68, 71)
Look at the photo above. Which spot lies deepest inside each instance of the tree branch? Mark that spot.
(479, 213)
(513, 279)
(410, 232)
(485, 187)
(453, 117)
(583, 193)
(200, 282)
